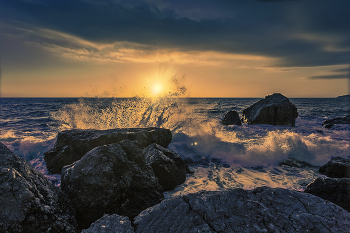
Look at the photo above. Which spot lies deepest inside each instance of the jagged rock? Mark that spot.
(336, 190)
(291, 162)
(337, 167)
(111, 223)
(111, 179)
(168, 166)
(71, 145)
(263, 209)
(275, 109)
(28, 201)
(339, 120)
(231, 118)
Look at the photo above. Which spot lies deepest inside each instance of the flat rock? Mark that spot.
(109, 224)
(168, 166)
(29, 202)
(111, 179)
(337, 167)
(263, 209)
(336, 190)
(339, 120)
(72, 145)
(275, 109)
(231, 118)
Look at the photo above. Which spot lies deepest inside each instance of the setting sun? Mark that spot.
(157, 89)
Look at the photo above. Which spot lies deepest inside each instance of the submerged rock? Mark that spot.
(28, 201)
(231, 118)
(336, 190)
(71, 145)
(337, 167)
(263, 209)
(111, 223)
(168, 166)
(275, 109)
(339, 120)
(111, 179)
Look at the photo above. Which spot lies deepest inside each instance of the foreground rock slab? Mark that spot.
(336, 190)
(72, 145)
(275, 109)
(111, 179)
(337, 167)
(339, 120)
(28, 201)
(260, 210)
(111, 223)
(231, 118)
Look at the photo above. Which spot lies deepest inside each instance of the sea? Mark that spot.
(221, 156)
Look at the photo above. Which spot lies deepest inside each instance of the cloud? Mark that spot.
(335, 76)
(291, 33)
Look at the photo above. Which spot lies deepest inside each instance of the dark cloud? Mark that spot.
(299, 33)
(335, 76)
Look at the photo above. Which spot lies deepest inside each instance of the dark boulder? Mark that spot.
(231, 118)
(28, 201)
(168, 166)
(336, 190)
(337, 167)
(275, 109)
(339, 120)
(111, 179)
(263, 209)
(71, 145)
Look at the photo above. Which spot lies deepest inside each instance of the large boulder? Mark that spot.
(263, 209)
(275, 109)
(109, 224)
(111, 179)
(28, 201)
(231, 118)
(168, 166)
(339, 120)
(71, 145)
(337, 167)
(336, 190)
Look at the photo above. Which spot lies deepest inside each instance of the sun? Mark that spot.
(157, 89)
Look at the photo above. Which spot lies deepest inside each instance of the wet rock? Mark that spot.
(71, 145)
(291, 162)
(263, 209)
(275, 109)
(168, 166)
(336, 190)
(231, 118)
(337, 167)
(339, 120)
(111, 223)
(111, 179)
(28, 201)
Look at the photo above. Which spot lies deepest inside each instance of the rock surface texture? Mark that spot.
(339, 120)
(231, 118)
(111, 224)
(260, 210)
(111, 179)
(275, 109)
(28, 201)
(337, 167)
(168, 166)
(71, 145)
(336, 190)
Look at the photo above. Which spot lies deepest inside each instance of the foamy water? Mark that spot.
(221, 156)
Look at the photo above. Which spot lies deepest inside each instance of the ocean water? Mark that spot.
(221, 157)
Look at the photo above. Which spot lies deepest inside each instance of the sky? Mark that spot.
(212, 48)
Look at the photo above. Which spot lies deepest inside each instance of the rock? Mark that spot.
(337, 167)
(336, 190)
(339, 120)
(168, 166)
(263, 209)
(111, 223)
(231, 118)
(28, 201)
(291, 162)
(71, 145)
(343, 97)
(275, 109)
(111, 179)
